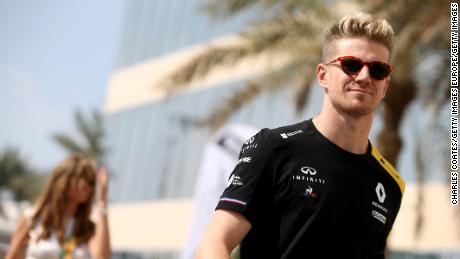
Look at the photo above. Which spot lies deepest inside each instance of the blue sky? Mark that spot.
(55, 57)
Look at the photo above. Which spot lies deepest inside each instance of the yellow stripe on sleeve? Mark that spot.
(389, 168)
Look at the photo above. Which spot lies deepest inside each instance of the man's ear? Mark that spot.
(321, 74)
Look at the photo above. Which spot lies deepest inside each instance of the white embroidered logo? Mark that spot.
(308, 170)
(234, 180)
(290, 134)
(244, 160)
(380, 192)
(249, 141)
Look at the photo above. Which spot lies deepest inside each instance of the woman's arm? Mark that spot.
(19, 240)
(99, 244)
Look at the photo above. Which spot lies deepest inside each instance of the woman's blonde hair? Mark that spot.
(51, 205)
(356, 26)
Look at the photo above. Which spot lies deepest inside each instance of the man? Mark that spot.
(318, 189)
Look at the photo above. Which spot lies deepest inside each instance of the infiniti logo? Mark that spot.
(308, 170)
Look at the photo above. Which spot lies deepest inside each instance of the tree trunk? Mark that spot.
(399, 96)
(389, 142)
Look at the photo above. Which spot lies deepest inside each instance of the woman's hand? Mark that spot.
(102, 185)
(100, 243)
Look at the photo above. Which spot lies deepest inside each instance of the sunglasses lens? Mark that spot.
(379, 70)
(351, 66)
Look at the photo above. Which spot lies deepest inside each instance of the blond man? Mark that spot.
(319, 188)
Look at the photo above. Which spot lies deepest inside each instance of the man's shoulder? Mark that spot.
(272, 138)
(389, 169)
(290, 133)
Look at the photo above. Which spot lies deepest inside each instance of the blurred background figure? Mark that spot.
(217, 162)
(59, 226)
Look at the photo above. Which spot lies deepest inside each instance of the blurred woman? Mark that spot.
(59, 226)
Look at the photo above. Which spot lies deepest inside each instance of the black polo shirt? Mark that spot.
(305, 197)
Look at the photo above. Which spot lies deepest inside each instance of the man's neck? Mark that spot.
(348, 132)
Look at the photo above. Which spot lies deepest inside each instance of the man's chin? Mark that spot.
(357, 110)
(354, 108)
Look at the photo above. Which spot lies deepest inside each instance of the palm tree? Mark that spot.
(92, 133)
(16, 176)
(294, 29)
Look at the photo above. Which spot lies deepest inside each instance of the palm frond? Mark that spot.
(238, 99)
(286, 31)
(97, 133)
(303, 89)
(229, 106)
(294, 34)
(416, 37)
(84, 127)
(202, 64)
(221, 9)
(68, 144)
(91, 130)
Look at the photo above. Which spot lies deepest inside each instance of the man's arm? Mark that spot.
(224, 233)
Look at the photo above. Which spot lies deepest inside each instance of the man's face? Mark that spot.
(353, 95)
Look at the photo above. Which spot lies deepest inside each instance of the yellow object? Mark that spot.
(68, 248)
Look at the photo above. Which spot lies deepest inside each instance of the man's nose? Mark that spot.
(363, 75)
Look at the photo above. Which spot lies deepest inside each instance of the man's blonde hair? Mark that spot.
(359, 25)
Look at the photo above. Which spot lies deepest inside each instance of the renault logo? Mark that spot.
(380, 192)
(308, 170)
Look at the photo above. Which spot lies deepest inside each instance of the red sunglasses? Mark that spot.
(350, 65)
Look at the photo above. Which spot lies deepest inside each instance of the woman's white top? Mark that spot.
(50, 248)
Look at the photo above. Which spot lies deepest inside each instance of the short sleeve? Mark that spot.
(244, 182)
